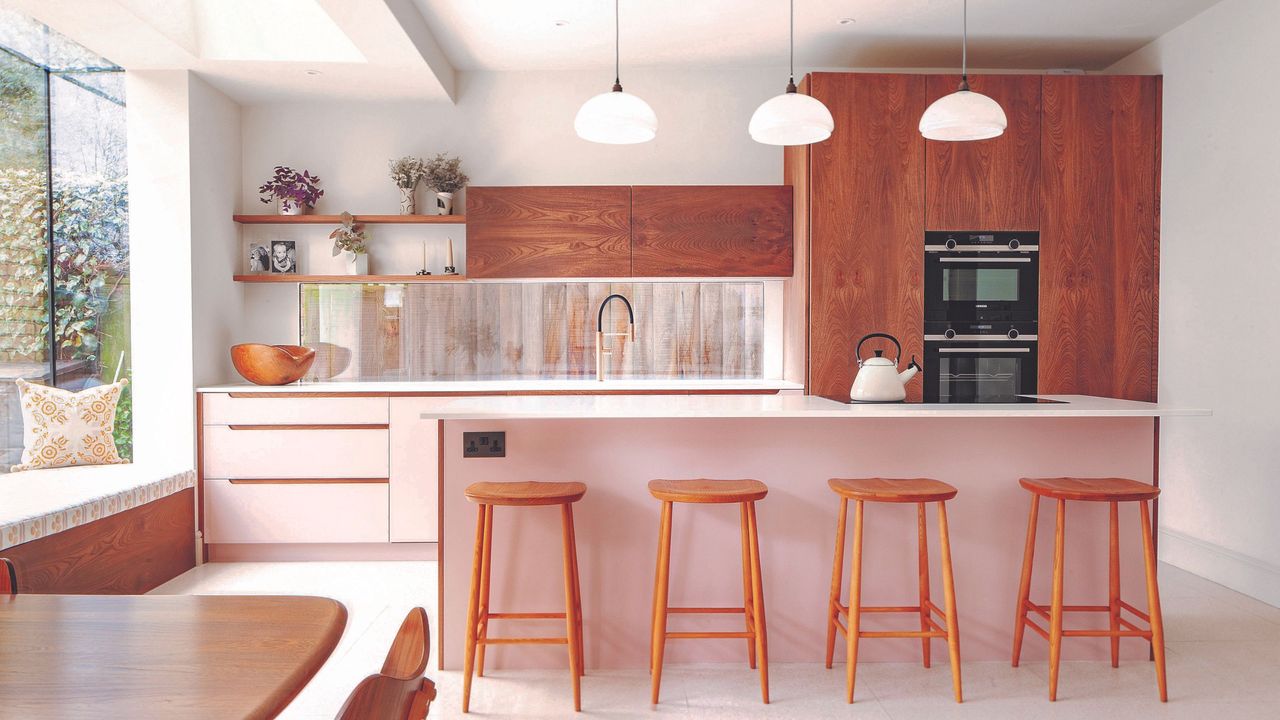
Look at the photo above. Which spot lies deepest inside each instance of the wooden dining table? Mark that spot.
(161, 656)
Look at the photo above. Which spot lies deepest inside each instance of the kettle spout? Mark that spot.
(912, 368)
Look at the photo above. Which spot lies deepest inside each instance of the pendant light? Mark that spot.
(791, 118)
(616, 117)
(964, 114)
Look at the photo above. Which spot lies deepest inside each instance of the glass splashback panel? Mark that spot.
(484, 331)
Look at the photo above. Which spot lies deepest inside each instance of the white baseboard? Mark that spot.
(1244, 574)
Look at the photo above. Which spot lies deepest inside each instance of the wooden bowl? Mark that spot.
(271, 364)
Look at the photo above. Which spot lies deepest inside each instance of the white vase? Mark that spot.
(293, 209)
(408, 204)
(444, 203)
(356, 264)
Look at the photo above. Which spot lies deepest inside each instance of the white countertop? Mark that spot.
(778, 406)
(465, 387)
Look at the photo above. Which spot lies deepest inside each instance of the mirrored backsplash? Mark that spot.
(501, 330)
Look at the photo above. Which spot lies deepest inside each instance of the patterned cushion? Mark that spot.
(62, 428)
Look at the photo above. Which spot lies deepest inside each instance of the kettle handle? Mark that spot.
(897, 353)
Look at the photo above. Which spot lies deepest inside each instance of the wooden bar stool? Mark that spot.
(918, 491)
(522, 494)
(745, 493)
(1108, 490)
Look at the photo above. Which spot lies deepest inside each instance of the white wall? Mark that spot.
(509, 129)
(1218, 292)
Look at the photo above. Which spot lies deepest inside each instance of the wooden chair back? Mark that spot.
(8, 578)
(399, 692)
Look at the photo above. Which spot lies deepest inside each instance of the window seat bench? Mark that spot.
(109, 529)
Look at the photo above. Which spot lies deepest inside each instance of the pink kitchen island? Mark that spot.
(615, 444)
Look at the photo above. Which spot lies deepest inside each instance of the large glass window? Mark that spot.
(64, 252)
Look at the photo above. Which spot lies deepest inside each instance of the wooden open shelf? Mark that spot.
(337, 219)
(294, 278)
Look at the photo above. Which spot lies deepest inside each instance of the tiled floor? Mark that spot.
(1224, 661)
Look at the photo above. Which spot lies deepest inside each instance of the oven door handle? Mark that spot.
(983, 260)
(992, 350)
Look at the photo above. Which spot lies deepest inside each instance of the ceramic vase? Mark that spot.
(408, 204)
(293, 209)
(444, 203)
(356, 264)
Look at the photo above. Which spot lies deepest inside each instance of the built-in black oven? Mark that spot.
(981, 276)
(979, 362)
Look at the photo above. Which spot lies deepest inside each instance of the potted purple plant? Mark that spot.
(296, 192)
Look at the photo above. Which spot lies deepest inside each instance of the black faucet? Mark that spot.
(600, 351)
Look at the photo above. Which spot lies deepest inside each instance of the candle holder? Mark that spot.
(450, 270)
(423, 271)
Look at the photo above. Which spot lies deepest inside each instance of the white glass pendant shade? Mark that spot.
(963, 115)
(616, 118)
(791, 119)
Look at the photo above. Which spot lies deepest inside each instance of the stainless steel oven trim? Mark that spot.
(984, 260)
(982, 248)
(992, 350)
(980, 338)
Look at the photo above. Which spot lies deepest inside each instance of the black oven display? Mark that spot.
(981, 276)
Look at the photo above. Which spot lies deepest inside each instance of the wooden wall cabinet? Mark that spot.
(1099, 236)
(548, 232)
(866, 233)
(711, 231)
(989, 184)
(649, 231)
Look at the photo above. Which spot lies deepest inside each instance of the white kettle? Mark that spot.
(878, 379)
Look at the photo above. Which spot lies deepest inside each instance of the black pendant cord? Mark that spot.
(791, 83)
(617, 53)
(964, 51)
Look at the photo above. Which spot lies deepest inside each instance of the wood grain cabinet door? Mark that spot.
(548, 232)
(988, 184)
(866, 263)
(1099, 236)
(712, 231)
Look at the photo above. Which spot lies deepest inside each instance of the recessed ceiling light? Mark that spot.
(313, 72)
(561, 23)
(846, 21)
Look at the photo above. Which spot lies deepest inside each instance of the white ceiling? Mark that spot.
(271, 50)
(1021, 34)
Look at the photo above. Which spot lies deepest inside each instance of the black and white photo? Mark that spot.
(284, 257)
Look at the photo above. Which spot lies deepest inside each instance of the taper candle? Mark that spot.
(450, 260)
(424, 255)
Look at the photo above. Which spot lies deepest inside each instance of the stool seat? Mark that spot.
(1091, 489)
(525, 494)
(708, 491)
(913, 490)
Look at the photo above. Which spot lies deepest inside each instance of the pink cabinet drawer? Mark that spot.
(223, 409)
(294, 512)
(232, 451)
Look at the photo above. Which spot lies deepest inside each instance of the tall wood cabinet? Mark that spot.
(1080, 162)
(1100, 169)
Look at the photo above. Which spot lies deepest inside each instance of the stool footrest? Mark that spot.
(709, 635)
(523, 641)
(1141, 615)
(524, 616)
(902, 634)
(1107, 633)
(706, 610)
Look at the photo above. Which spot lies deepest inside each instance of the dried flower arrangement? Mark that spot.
(350, 237)
(292, 188)
(444, 174)
(407, 171)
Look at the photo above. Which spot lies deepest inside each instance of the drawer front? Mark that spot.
(292, 512)
(231, 452)
(223, 409)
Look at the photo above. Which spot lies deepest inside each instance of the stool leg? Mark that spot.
(577, 592)
(570, 607)
(949, 593)
(473, 607)
(1113, 567)
(1024, 587)
(923, 540)
(1055, 617)
(482, 618)
(746, 586)
(855, 604)
(661, 584)
(837, 579)
(1153, 603)
(757, 602)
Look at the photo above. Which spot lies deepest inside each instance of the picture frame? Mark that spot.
(284, 257)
